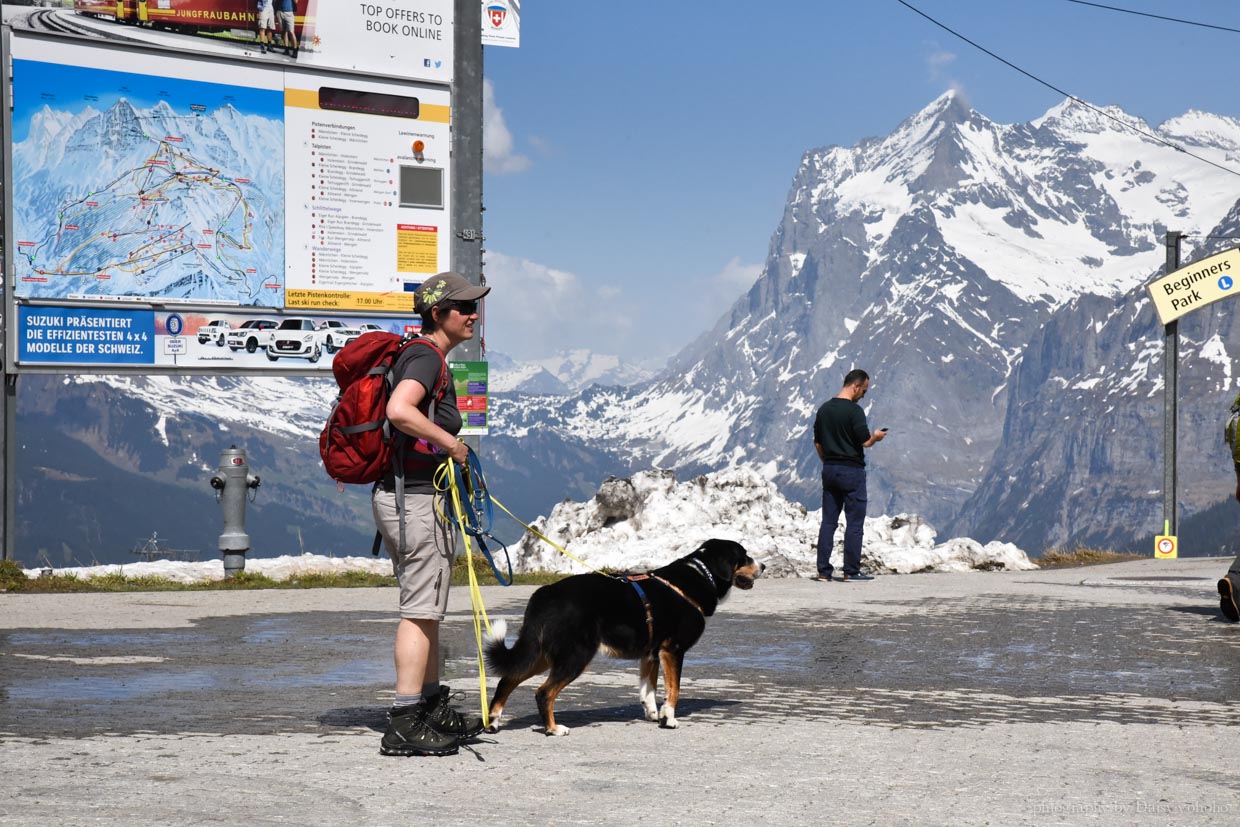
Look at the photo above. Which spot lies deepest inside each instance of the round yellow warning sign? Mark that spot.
(1164, 547)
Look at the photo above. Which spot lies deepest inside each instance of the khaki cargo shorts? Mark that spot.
(424, 568)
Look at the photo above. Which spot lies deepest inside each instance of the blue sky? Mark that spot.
(639, 154)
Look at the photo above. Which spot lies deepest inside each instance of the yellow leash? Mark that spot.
(547, 540)
(475, 593)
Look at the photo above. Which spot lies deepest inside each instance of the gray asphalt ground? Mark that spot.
(1103, 695)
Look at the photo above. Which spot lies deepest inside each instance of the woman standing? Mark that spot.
(423, 407)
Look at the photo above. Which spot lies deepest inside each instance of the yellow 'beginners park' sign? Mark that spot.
(1196, 285)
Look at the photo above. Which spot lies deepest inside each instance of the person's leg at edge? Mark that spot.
(832, 503)
(417, 655)
(1229, 592)
(855, 502)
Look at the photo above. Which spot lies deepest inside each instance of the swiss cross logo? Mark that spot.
(498, 15)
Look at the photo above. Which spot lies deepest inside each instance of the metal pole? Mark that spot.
(467, 158)
(8, 404)
(467, 151)
(8, 526)
(1171, 358)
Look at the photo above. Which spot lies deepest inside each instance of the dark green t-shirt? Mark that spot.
(840, 428)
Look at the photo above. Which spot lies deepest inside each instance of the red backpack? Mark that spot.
(358, 444)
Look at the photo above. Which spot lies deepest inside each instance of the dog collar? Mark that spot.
(700, 566)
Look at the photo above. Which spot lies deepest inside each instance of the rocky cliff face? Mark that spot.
(1081, 458)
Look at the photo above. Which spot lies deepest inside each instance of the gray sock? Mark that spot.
(401, 701)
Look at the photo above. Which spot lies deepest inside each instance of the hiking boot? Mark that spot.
(410, 733)
(1227, 600)
(447, 720)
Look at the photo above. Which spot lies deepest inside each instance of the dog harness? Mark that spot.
(633, 580)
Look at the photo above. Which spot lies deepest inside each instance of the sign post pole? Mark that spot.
(8, 473)
(466, 245)
(1171, 357)
(467, 235)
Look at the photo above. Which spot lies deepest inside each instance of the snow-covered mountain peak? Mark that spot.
(1073, 115)
(951, 107)
(1205, 128)
(565, 372)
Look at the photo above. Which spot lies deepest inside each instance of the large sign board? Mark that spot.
(370, 220)
(395, 38)
(1192, 287)
(146, 186)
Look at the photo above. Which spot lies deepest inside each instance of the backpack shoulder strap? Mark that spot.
(441, 381)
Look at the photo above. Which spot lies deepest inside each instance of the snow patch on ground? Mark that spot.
(649, 519)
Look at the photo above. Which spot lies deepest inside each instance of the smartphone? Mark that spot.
(884, 430)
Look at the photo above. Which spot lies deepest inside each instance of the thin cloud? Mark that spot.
(938, 61)
(499, 153)
(535, 311)
(736, 277)
(541, 145)
(710, 296)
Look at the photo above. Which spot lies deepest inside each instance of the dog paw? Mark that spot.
(559, 730)
(652, 714)
(668, 723)
(493, 728)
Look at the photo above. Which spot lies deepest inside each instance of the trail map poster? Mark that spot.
(144, 185)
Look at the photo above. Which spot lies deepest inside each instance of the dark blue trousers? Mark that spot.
(843, 489)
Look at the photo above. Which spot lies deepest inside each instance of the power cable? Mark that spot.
(1057, 90)
(1156, 16)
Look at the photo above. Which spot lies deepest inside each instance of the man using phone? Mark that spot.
(841, 436)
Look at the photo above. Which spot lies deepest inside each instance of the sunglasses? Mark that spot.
(465, 308)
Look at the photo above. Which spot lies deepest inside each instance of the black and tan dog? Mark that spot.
(569, 621)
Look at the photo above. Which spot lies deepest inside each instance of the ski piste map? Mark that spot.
(144, 187)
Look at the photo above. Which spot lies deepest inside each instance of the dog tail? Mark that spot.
(504, 661)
